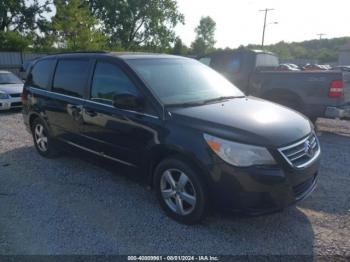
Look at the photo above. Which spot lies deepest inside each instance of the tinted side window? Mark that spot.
(109, 80)
(40, 75)
(70, 77)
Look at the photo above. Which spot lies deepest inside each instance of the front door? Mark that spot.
(118, 134)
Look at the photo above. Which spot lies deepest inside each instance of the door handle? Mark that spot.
(90, 112)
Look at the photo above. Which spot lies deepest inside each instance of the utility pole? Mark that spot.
(266, 10)
(320, 35)
(320, 42)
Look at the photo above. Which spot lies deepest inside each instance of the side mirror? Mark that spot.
(128, 101)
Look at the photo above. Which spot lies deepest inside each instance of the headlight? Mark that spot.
(4, 95)
(237, 154)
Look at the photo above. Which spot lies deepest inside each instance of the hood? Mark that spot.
(11, 88)
(248, 120)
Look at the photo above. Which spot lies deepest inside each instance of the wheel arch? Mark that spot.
(162, 152)
(31, 118)
(36, 115)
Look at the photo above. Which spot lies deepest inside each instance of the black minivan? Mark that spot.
(197, 139)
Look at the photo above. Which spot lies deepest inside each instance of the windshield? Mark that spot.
(9, 78)
(179, 81)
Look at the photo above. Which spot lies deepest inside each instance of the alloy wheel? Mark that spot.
(178, 191)
(40, 137)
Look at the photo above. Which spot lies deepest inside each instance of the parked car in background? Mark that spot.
(287, 67)
(342, 68)
(316, 94)
(328, 67)
(295, 66)
(11, 88)
(192, 134)
(314, 67)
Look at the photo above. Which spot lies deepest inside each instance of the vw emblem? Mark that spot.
(308, 149)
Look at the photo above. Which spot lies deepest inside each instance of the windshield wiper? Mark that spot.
(220, 98)
(203, 102)
(7, 83)
(186, 104)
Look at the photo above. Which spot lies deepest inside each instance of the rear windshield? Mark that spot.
(9, 78)
(177, 80)
(266, 60)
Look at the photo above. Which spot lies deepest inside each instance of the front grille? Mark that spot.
(15, 95)
(302, 153)
(303, 187)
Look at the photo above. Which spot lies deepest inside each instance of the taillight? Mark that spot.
(336, 89)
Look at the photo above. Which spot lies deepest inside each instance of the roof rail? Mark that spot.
(78, 52)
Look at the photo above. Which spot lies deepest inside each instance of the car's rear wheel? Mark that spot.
(181, 191)
(42, 140)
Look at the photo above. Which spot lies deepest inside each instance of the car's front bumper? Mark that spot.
(257, 190)
(13, 102)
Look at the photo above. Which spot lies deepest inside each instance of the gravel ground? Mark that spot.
(70, 206)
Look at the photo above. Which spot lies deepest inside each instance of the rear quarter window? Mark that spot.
(41, 73)
(71, 77)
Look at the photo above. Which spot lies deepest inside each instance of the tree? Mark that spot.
(327, 55)
(13, 41)
(135, 23)
(22, 16)
(324, 50)
(74, 26)
(179, 47)
(205, 31)
(21, 22)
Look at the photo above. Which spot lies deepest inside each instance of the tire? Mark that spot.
(42, 140)
(181, 192)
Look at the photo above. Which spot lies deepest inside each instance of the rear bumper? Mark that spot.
(338, 112)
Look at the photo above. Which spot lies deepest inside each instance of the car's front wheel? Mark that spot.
(181, 191)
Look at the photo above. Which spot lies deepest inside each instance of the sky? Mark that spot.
(239, 22)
